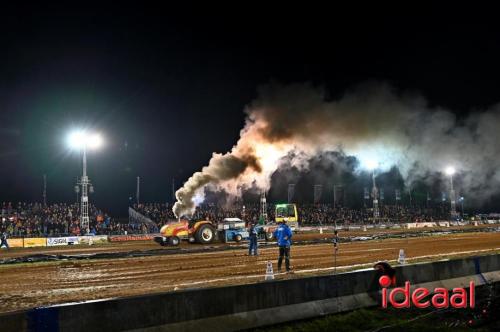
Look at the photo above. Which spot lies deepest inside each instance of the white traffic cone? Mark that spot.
(321, 230)
(402, 257)
(269, 271)
(364, 228)
(475, 222)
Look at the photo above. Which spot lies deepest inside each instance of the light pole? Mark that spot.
(81, 140)
(372, 165)
(44, 190)
(263, 208)
(137, 192)
(453, 209)
(461, 199)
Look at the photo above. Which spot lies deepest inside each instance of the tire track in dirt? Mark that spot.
(29, 285)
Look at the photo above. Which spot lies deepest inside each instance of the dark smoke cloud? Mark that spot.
(371, 121)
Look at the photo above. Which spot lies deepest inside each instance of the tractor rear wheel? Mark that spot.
(174, 241)
(205, 234)
(269, 236)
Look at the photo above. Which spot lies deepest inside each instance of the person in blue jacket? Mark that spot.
(283, 235)
(253, 244)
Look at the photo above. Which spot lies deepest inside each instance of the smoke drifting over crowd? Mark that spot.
(370, 122)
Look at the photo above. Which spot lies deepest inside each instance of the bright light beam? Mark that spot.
(80, 139)
(371, 164)
(449, 170)
(95, 141)
(76, 140)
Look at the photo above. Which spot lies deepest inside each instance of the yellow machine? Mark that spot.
(283, 213)
(287, 213)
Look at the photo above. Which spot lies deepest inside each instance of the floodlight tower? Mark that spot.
(82, 140)
(263, 207)
(453, 208)
(372, 165)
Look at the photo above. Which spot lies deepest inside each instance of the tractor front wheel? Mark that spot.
(205, 234)
(238, 238)
(174, 241)
(269, 236)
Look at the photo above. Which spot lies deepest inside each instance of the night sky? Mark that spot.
(167, 87)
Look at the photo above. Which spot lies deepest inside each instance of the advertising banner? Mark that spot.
(15, 243)
(72, 240)
(136, 237)
(96, 239)
(100, 239)
(57, 241)
(35, 242)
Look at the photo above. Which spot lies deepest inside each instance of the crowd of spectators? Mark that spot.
(35, 219)
(309, 214)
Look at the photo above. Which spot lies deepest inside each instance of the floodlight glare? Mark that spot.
(95, 141)
(80, 140)
(371, 164)
(76, 139)
(449, 170)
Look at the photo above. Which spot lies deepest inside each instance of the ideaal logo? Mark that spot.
(440, 298)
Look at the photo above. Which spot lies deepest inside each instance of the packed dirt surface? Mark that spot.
(30, 285)
(150, 245)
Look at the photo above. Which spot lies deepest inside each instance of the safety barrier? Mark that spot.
(56, 241)
(248, 306)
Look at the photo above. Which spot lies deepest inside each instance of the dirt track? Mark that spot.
(29, 285)
(150, 245)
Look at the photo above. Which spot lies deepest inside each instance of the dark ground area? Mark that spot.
(485, 317)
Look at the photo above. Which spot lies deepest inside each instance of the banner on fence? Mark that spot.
(57, 241)
(137, 237)
(72, 240)
(35, 242)
(15, 243)
(96, 239)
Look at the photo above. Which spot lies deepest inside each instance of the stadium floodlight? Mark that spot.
(81, 140)
(371, 164)
(450, 170)
(95, 141)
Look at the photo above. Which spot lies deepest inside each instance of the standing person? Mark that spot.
(4, 240)
(283, 235)
(253, 248)
(335, 249)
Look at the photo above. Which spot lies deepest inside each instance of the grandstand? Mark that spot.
(309, 214)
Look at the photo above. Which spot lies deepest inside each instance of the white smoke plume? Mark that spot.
(371, 122)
